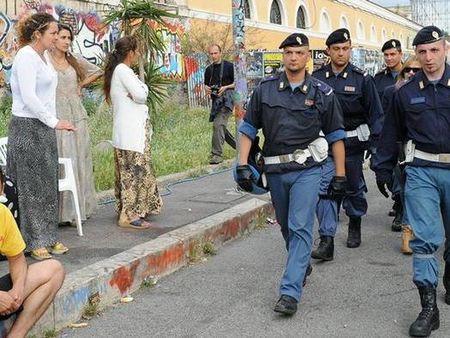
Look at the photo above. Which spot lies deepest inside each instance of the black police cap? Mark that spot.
(392, 43)
(338, 36)
(295, 40)
(428, 34)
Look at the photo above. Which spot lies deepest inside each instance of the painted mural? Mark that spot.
(92, 38)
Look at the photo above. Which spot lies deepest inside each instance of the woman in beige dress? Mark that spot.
(74, 73)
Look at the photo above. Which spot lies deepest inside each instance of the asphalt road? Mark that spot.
(364, 292)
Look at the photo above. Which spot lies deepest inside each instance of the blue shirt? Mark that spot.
(292, 119)
(357, 96)
(422, 112)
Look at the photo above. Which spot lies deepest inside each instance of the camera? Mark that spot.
(215, 91)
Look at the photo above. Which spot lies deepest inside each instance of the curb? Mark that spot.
(111, 279)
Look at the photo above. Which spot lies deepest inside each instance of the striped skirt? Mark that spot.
(32, 164)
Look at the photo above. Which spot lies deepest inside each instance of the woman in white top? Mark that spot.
(74, 73)
(32, 155)
(136, 191)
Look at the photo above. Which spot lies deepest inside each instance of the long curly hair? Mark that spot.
(121, 49)
(27, 27)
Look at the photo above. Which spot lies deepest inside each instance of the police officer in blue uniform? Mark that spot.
(292, 109)
(422, 106)
(363, 115)
(388, 76)
(392, 53)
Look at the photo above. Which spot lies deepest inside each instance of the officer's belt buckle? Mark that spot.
(300, 156)
(444, 158)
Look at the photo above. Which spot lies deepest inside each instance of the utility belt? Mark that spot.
(362, 132)
(317, 149)
(411, 152)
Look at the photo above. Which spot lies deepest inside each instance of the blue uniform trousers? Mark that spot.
(294, 197)
(427, 201)
(327, 213)
(354, 202)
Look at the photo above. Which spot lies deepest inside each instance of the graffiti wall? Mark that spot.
(92, 38)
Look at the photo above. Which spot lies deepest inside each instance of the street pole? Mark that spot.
(240, 66)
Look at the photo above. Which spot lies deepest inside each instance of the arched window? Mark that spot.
(344, 22)
(301, 18)
(325, 24)
(373, 34)
(275, 13)
(247, 12)
(360, 31)
(383, 36)
(393, 34)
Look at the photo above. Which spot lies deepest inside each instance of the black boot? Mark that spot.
(446, 280)
(325, 250)
(354, 232)
(307, 273)
(428, 319)
(398, 215)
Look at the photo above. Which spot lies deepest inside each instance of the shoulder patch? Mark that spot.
(360, 71)
(270, 78)
(322, 86)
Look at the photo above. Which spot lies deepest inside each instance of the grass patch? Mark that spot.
(181, 138)
(51, 333)
(209, 249)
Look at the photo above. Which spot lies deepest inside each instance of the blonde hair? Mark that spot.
(27, 27)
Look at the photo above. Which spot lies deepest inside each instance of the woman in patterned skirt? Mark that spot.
(32, 155)
(136, 191)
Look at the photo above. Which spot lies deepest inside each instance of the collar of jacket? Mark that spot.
(283, 83)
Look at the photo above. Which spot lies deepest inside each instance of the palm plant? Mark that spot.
(140, 19)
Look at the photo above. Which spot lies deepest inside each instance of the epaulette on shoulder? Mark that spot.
(270, 78)
(322, 86)
(360, 71)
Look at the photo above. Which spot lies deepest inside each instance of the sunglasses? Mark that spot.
(411, 69)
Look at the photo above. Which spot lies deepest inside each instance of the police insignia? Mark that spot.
(309, 102)
(416, 100)
(346, 36)
(421, 85)
(345, 75)
(435, 35)
(394, 44)
(349, 89)
(281, 85)
(448, 82)
(305, 88)
(299, 40)
(327, 74)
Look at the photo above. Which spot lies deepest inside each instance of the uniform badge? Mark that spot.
(421, 86)
(309, 102)
(345, 36)
(416, 100)
(281, 85)
(345, 75)
(394, 44)
(299, 40)
(435, 35)
(448, 82)
(349, 89)
(305, 88)
(327, 74)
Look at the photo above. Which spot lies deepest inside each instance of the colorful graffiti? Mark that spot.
(92, 37)
(171, 60)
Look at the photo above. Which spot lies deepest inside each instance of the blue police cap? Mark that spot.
(295, 40)
(338, 36)
(392, 43)
(428, 34)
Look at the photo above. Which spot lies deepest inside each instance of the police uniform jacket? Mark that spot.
(357, 96)
(291, 120)
(422, 112)
(384, 78)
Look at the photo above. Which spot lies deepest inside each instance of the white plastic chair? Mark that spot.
(64, 184)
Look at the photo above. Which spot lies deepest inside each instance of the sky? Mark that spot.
(391, 3)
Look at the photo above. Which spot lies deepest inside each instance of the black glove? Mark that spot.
(244, 177)
(383, 185)
(337, 186)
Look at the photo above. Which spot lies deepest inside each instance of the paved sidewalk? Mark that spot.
(109, 262)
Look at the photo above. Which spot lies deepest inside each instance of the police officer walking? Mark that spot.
(291, 109)
(363, 115)
(392, 53)
(422, 106)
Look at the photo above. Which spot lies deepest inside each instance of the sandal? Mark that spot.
(139, 223)
(40, 254)
(59, 249)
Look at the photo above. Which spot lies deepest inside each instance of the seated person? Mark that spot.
(27, 291)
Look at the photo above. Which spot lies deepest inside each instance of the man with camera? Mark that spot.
(219, 85)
